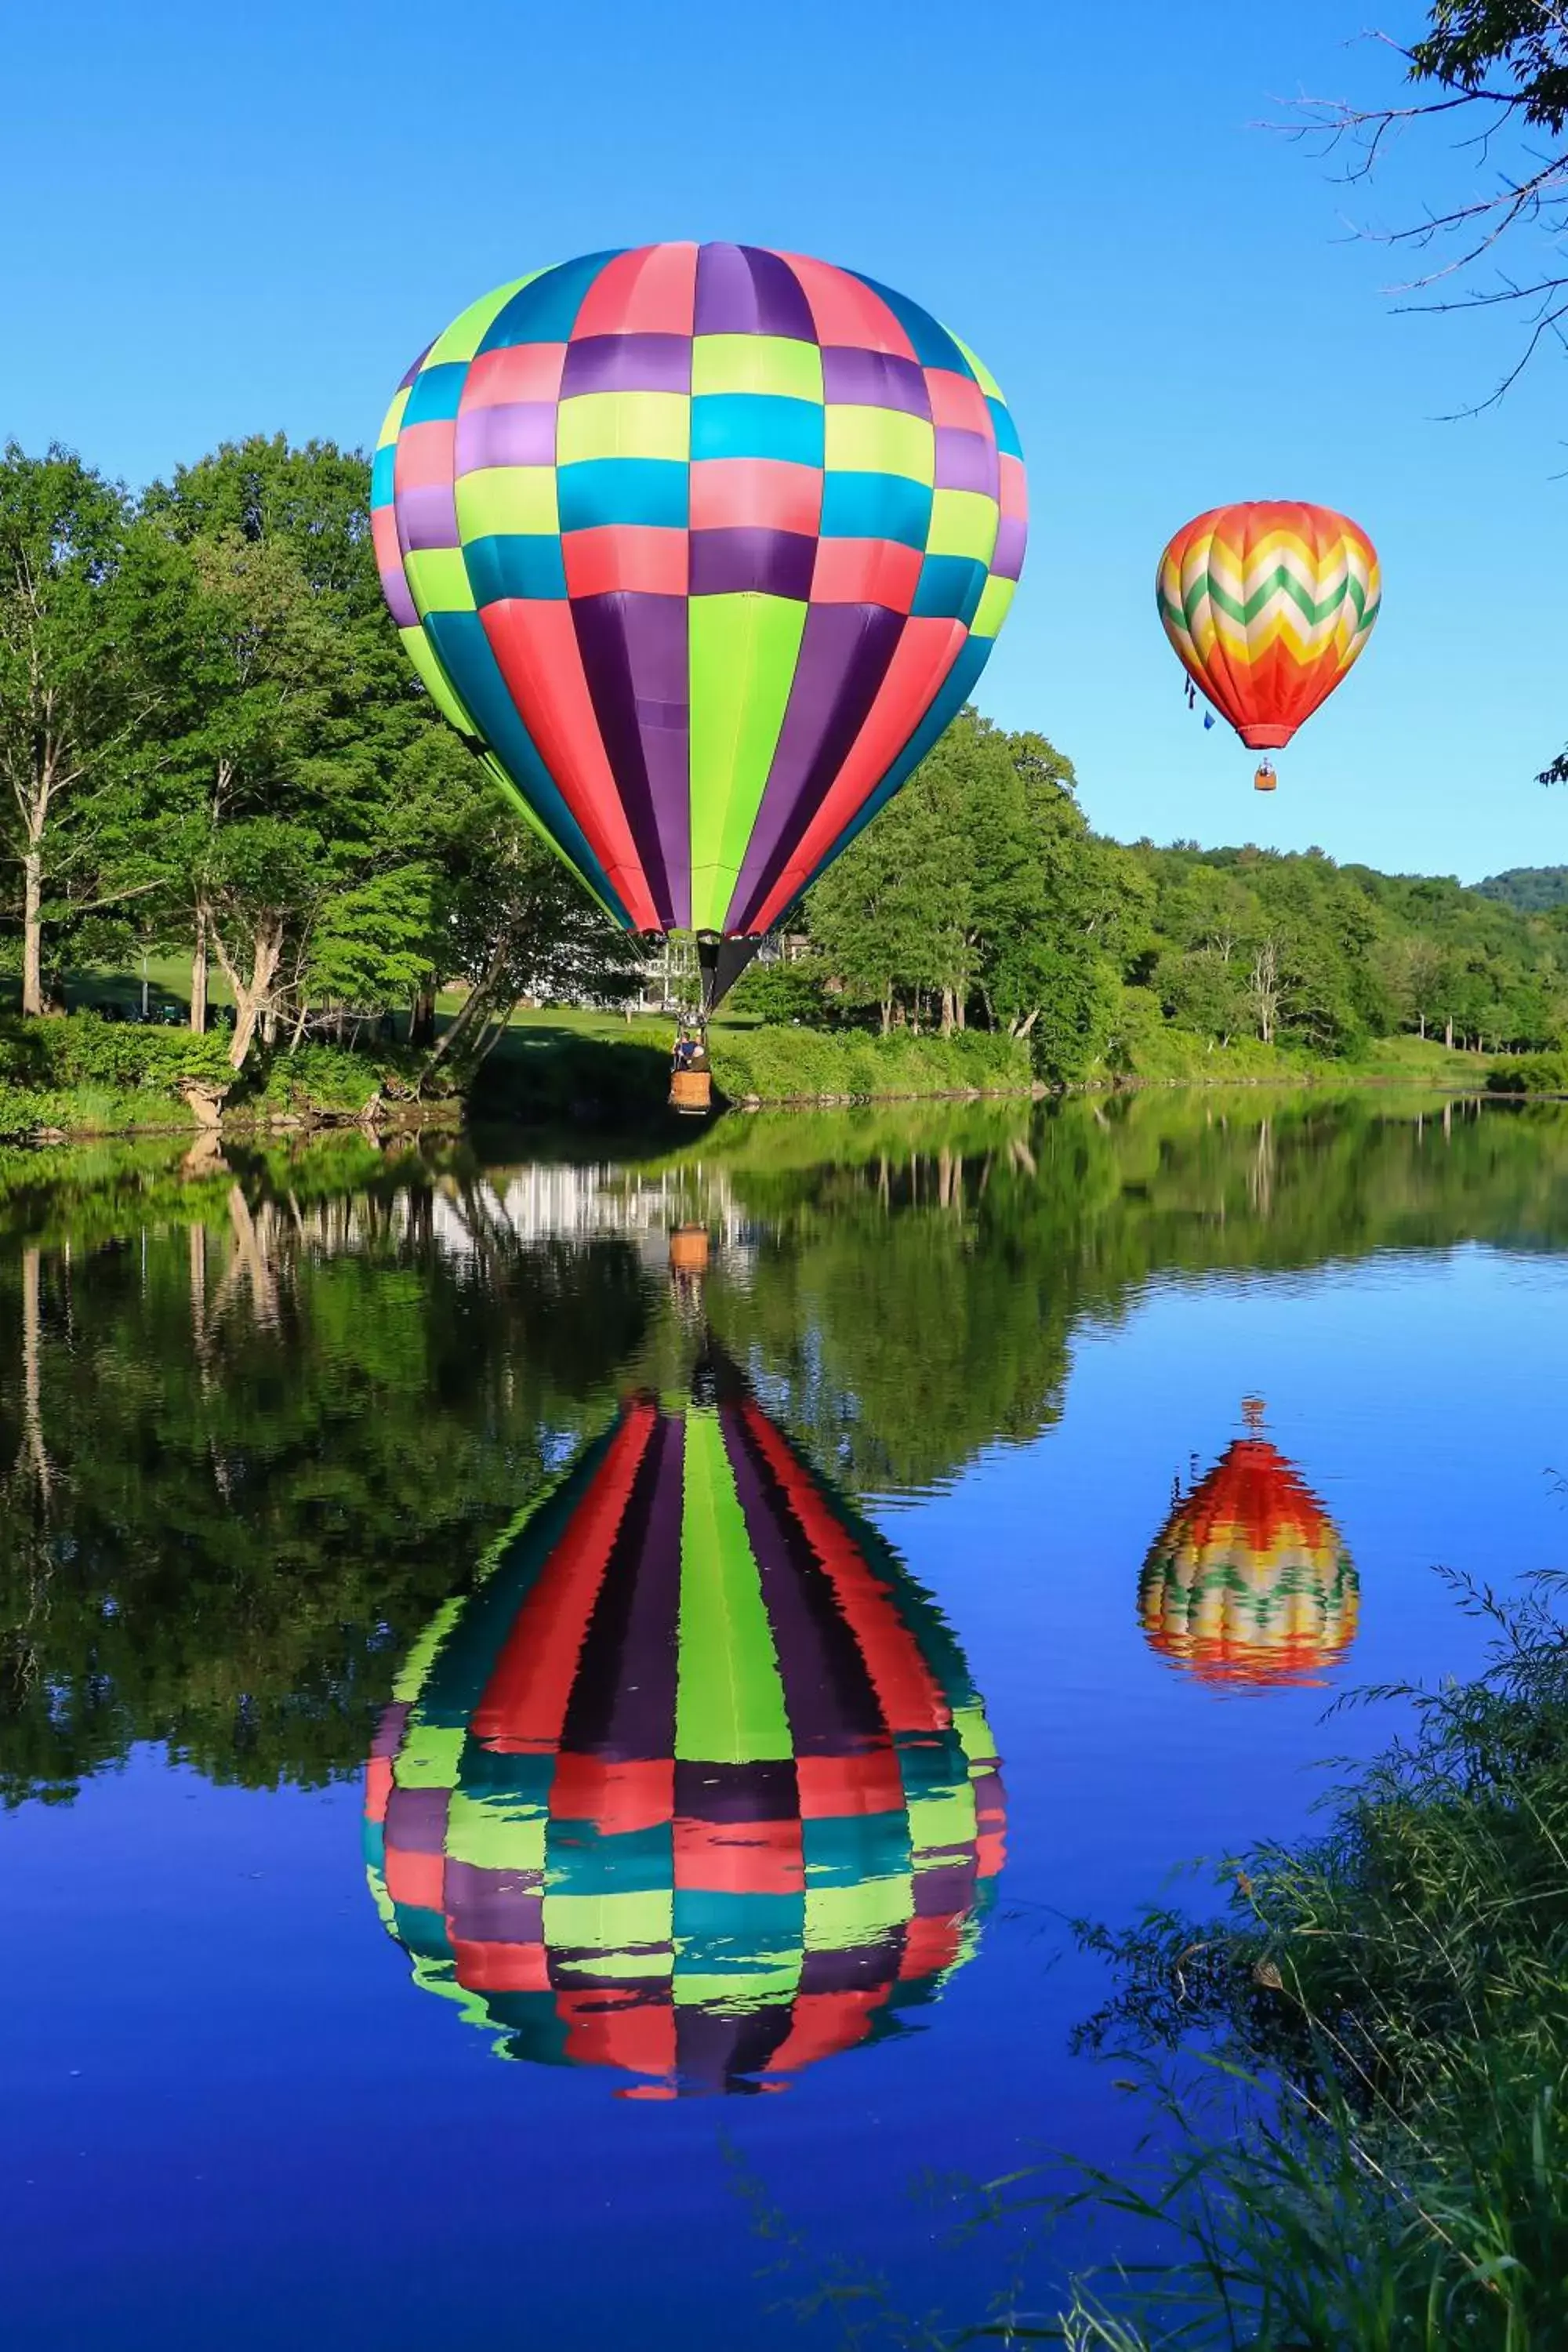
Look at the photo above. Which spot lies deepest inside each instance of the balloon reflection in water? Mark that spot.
(1249, 1583)
(694, 1784)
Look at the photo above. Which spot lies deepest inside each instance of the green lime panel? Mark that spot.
(742, 657)
(729, 1703)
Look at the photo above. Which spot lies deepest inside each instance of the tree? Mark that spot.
(1496, 71)
(70, 694)
(318, 781)
(516, 924)
(1263, 988)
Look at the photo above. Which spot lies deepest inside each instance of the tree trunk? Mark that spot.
(32, 1373)
(1421, 1023)
(33, 933)
(422, 1017)
(252, 997)
(947, 1023)
(199, 976)
(1448, 1036)
(887, 1010)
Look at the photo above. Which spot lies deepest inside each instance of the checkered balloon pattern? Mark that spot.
(694, 1784)
(701, 547)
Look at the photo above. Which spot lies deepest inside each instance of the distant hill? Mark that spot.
(1530, 889)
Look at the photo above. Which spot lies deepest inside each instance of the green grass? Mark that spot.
(1362, 2063)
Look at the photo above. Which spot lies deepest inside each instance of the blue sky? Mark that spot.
(223, 222)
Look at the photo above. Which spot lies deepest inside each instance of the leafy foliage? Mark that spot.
(1389, 2003)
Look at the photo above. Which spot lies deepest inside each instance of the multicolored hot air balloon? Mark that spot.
(1268, 604)
(1249, 1583)
(694, 1784)
(702, 547)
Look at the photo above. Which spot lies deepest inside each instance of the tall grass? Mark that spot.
(1361, 2067)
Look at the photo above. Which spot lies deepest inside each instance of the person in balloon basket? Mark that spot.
(691, 1049)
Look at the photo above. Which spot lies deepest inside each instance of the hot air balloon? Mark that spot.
(700, 546)
(1268, 604)
(694, 1784)
(1249, 1583)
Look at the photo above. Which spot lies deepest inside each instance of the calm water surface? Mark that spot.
(545, 1784)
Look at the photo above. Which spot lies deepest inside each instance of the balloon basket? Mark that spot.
(691, 1093)
(689, 1249)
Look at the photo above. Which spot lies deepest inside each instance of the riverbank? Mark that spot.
(1392, 2001)
(81, 1076)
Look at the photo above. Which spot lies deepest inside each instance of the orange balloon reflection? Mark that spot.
(1248, 1583)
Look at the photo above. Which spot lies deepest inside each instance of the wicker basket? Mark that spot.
(689, 1249)
(691, 1091)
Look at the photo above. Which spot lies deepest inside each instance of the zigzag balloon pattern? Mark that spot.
(1268, 604)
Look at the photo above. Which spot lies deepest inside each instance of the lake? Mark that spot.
(558, 1701)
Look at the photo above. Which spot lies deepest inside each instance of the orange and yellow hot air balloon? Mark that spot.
(1249, 1583)
(1268, 604)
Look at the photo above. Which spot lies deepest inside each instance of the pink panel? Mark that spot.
(845, 312)
(866, 572)
(755, 493)
(958, 400)
(426, 456)
(526, 372)
(650, 291)
(624, 555)
(535, 643)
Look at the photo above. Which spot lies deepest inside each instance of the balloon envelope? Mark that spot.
(703, 546)
(695, 1784)
(1268, 604)
(1249, 1583)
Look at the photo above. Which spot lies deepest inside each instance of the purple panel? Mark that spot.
(1008, 560)
(634, 651)
(513, 433)
(401, 606)
(426, 517)
(714, 2047)
(389, 1729)
(736, 1792)
(966, 461)
(494, 1906)
(752, 561)
(844, 658)
(417, 365)
(942, 1894)
(627, 364)
(416, 1819)
(858, 379)
(622, 1706)
(741, 290)
(853, 1968)
(829, 1697)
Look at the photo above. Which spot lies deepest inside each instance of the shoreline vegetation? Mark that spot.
(80, 1077)
(222, 773)
(1358, 2064)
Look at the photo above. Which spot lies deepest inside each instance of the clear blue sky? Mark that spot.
(223, 221)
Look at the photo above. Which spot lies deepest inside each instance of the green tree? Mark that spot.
(69, 693)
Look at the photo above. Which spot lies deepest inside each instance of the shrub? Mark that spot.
(796, 1064)
(1531, 1073)
(83, 1050)
(782, 992)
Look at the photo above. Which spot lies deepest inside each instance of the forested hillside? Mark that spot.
(212, 748)
(1531, 890)
(981, 895)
